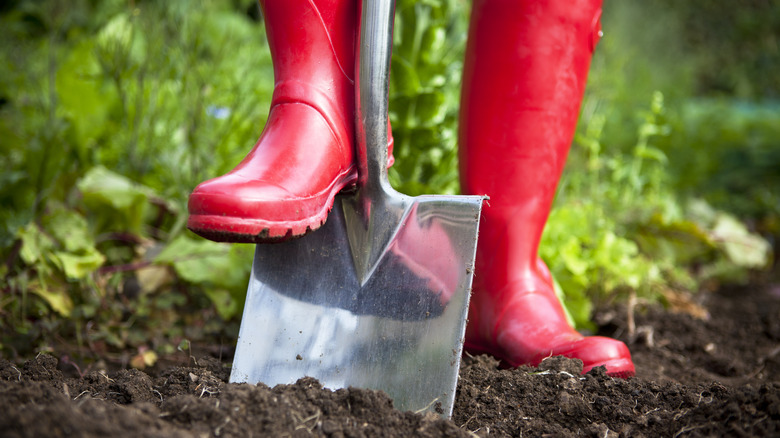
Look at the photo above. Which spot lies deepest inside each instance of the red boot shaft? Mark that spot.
(525, 73)
(286, 184)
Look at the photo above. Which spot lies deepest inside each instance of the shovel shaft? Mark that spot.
(371, 94)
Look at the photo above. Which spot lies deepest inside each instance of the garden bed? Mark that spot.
(717, 374)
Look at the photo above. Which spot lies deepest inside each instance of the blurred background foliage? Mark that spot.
(111, 111)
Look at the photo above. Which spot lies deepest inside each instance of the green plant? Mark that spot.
(112, 111)
(104, 132)
(428, 47)
(620, 230)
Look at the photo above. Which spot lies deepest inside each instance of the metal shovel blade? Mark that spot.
(378, 297)
(307, 313)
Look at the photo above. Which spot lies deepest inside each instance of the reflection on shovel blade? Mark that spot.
(312, 311)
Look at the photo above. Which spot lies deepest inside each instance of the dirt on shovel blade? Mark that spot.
(712, 376)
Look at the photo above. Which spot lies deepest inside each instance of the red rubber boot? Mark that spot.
(286, 185)
(524, 78)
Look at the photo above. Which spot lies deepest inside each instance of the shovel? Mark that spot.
(378, 296)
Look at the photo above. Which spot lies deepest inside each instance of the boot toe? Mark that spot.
(532, 327)
(284, 188)
(595, 351)
(235, 196)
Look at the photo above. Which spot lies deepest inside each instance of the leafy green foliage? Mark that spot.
(428, 47)
(734, 49)
(104, 132)
(112, 111)
(729, 152)
(619, 229)
(221, 269)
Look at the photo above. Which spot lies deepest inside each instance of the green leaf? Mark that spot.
(55, 295)
(104, 186)
(613, 249)
(70, 229)
(153, 277)
(429, 109)
(83, 97)
(35, 244)
(184, 345)
(204, 261)
(222, 268)
(675, 240)
(403, 77)
(121, 42)
(224, 302)
(652, 153)
(618, 256)
(572, 253)
(117, 32)
(78, 266)
(741, 246)
(195, 260)
(701, 212)
(119, 203)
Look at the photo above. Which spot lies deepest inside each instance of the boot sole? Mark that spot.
(221, 228)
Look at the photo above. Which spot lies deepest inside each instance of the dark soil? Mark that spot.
(712, 376)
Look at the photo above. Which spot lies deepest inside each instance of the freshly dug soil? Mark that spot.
(712, 376)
